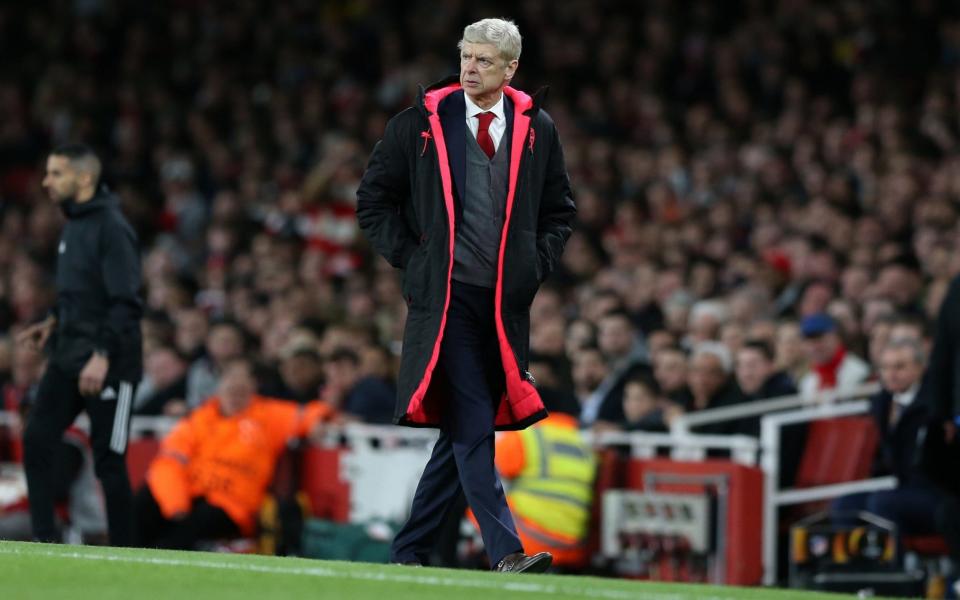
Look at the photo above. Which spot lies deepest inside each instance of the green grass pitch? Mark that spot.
(49, 572)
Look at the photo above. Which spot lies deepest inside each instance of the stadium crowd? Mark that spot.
(768, 193)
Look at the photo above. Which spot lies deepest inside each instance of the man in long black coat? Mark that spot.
(467, 193)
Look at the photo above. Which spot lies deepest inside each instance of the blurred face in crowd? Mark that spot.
(615, 336)
(706, 376)
(845, 315)
(580, 333)
(900, 284)
(547, 337)
(638, 401)
(589, 369)
(191, 330)
(236, 388)
(732, 335)
(815, 299)
(753, 369)
(670, 370)
(341, 374)
(874, 310)
(375, 361)
(164, 366)
(899, 369)
(789, 350)
(660, 340)
(764, 330)
(302, 372)
(224, 342)
(484, 72)
(821, 348)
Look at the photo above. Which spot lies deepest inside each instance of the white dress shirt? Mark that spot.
(905, 399)
(497, 126)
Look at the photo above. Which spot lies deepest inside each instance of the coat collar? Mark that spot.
(428, 99)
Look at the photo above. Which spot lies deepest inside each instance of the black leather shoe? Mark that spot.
(518, 562)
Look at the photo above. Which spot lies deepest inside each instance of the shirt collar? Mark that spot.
(474, 110)
(906, 398)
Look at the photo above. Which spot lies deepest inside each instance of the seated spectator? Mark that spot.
(550, 469)
(670, 370)
(790, 356)
(913, 504)
(225, 341)
(212, 472)
(712, 384)
(589, 371)
(642, 406)
(832, 366)
(301, 373)
(364, 398)
(190, 332)
(163, 389)
(626, 355)
(759, 379)
(757, 374)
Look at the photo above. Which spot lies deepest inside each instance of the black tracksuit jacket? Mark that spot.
(98, 289)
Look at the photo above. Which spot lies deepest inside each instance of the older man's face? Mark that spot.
(483, 72)
(899, 369)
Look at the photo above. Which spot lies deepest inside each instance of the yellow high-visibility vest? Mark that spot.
(555, 488)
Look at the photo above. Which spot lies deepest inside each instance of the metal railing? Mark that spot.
(686, 422)
(681, 446)
(774, 498)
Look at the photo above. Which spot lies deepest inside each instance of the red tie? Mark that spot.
(483, 133)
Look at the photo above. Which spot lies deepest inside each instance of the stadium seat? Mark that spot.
(838, 450)
(925, 545)
(328, 493)
(140, 453)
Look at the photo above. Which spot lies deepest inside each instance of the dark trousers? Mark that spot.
(462, 459)
(57, 404)
(203, 522)
(912, 508)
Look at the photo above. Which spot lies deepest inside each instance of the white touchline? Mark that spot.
(512, 586)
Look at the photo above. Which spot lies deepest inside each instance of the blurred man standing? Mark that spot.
(95, 347)
(468, 194)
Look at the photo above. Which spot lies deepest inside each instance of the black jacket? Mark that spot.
(898, 450)
(408, 205)
(777, 385)
(98, 283)
(941, 385)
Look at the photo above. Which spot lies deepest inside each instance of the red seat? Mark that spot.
(925, 545)
(838, 450)
(329, 494)
(140, 453)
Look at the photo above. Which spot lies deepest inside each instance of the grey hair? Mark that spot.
(917, 351)
(501, 33)
(710, 308)
(716, 350)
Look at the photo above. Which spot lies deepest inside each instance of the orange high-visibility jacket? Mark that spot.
(228, 460)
